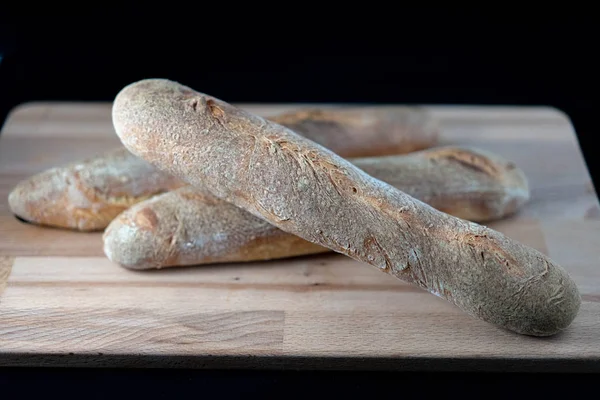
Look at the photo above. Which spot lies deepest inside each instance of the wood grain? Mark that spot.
(6, 264)
(65, 304)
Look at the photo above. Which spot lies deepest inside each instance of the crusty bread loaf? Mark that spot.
(189, 227)
(466, 182)
(307, 190)
(365, 131)
(87, 195)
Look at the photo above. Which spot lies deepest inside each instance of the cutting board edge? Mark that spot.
(283, 362)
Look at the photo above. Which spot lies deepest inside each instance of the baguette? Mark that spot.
(364, 131)
(190, 227)
(307, 190)
(87, 195)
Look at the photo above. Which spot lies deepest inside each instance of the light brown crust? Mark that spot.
(87, 195)
(191, 227)
(365, 131)
(188, 226)
(309, 191)
(469, 183)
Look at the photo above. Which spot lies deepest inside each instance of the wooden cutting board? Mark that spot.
(63, 303)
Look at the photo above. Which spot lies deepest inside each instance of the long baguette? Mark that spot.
(364, 131)
(307, 190)
(190, 227)
(88, 194)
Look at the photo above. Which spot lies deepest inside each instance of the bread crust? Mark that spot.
(87, 195)
(191, 227)
(307, 190)
(365, 131)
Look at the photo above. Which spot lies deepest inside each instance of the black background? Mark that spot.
(480, 58)
(452, 58)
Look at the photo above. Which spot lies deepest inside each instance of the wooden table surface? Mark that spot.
(63, 303)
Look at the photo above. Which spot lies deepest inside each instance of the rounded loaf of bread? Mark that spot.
(88, 194)
(188, 226)
(307, 190)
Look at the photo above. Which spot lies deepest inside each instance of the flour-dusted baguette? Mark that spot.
(307, 190)
(188, 226)
(88, 194)
(466, 182)
(364, 131)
